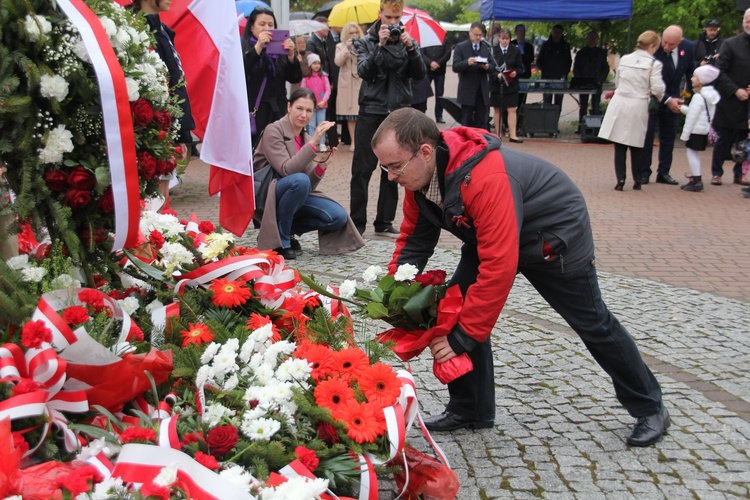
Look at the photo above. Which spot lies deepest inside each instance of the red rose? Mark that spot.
(147, 163)
(436, 277)
(56, 180)
(206, 227)
(221, 439)
(76, 199)
(107, 203)
(308, 458)
(163, 119)
(81, 179)
(143, 113)
(165, 167)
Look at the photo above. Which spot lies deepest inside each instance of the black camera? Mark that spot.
(395, 31)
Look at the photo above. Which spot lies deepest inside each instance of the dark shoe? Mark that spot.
(648, 430)
(619, 185)
(446, 422)
(287, 253)
(746, 189)
(296, 246)
(716, 180)
(636, 186)
(517, 141)
(439, 120)
(644, 179)
(738, 179)
(389, 231)
(746, 195)
(695, 184)
(666, 179)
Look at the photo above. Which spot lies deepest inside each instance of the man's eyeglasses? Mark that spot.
(322, 156)
(400, 170)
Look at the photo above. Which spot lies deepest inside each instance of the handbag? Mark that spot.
(712, 135)
(739, 150)
(262, 179)
(253, 127)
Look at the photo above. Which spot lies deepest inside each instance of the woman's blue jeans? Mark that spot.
(297, 212)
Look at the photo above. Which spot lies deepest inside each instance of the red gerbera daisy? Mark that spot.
(229, 293)
(380, 384)
(363, 423)
(320, 356)
(333, 393)
(350, 362)
(197, 333)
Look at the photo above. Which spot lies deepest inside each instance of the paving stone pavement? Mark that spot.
(673, 268)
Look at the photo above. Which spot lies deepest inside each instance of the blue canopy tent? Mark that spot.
(556, 10)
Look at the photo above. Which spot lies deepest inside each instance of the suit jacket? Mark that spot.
(684, 69)
(527, 58)
(512, 61)
(473, 79)
(439, 54)
(734, 63)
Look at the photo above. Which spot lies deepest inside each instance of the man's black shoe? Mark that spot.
(666, 179)
(287, 253)
(439, 120)
(295, 245)
(446, 422)
(389, 231)
(648, 430)
(746, 189)
(644, 179)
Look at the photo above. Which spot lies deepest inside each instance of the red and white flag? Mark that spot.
(208, 42)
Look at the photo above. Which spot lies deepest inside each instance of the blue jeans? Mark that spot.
(297, 212)
(318, 117)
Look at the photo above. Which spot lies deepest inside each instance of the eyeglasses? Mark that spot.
(400, 170)
(322, 156)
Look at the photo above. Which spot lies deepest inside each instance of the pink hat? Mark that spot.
(706, 74)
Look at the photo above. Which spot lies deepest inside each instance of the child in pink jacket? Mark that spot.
(321, 87)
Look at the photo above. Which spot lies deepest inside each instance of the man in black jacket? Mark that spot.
(435, 58)
(708, 44)
(473, 61)
(591, 64)
(387, 60)
(730, 122)
(322, 43)
(554, 61)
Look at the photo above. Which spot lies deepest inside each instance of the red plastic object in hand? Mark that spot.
(427, 477)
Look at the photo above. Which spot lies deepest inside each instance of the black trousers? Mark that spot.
(596, 101)
(667, 134)
(476, 115)
(726, 138)
(636, 162)
(363, 165)
(333, 132)
(575, 295)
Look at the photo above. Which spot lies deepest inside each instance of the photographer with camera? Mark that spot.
(473, 61)
(708, 44)
(387, 60)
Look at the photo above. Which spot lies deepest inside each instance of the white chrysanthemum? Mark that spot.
(79, 49)
(294, 369)
(347, 288)
(133, 89)
(129, 304)
(231, 383)
(210, 352)
(372, 273)
(264, 374)
(298, 488)
(112, 487)
(406, 272)
(53, 87)
(213, 413)
(153, 306)
(173, 255)
(216, 244)
(64, 281)
(231, 346)
(262, 334)
(237, 475)
(166, 224)
(59, 141)
(224, 363)
(280, 348)
(167, 476)
(36, 26)
(203, 375)
(131, 282)
(33, 274)
(18, 262)
(281, 391)
(261, 429)
(109, 26)
(98, 446)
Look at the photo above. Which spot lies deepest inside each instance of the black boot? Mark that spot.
(619, 185)
(694, 184)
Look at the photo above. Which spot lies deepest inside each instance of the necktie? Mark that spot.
(505, 51)
(670, 60)
(476, 49)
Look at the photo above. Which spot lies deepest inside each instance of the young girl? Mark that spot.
(700, 113)
(318, 83)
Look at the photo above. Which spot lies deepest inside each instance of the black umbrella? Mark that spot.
(297, 16)
(325, 9)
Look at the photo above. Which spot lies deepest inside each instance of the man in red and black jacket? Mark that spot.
(514, 213)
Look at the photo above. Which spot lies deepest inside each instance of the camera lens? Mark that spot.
(395, 31)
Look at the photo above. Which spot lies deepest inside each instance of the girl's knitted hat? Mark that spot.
(312, 58)
(706, 74)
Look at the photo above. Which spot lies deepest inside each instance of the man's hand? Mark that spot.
(384, 34)
(434, 66)
(407, 40)
(742, 94)
(441, 349)
(674, 105)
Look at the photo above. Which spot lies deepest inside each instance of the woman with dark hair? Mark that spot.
(167, 52)
(293, 204)
(266, 74)
(504, 88)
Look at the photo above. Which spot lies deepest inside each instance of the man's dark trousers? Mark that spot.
(439, 80)
(575, 295)
(476, 115)
(667, 134)
(726, 138)
(363, 165)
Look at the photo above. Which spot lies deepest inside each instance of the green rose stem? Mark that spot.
(310, 281)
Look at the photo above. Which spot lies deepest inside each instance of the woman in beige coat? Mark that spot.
(625, 122)
(347, 100)
(293, 204)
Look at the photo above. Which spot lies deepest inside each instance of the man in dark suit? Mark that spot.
(678, 61)
(322, 43)
(435, 58)
(591, 63)
(472, 60)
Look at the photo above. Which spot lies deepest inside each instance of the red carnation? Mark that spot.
(163, 119)
(151, 490)
(107, 203)
(327, 432)
(206, 460)
(56, 180)
(25, 386)
(80, 178)
(34, 333)
(76, 199)
(169, 211)
(308, 458)
(156, 238)
(19, 443)
(206, 227)
(138, 434)
(75, 315)
(92, 298)
(436, 277)
(221, 439)
(143, 113)
(147, 164)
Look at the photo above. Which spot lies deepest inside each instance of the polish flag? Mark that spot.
(208, 41)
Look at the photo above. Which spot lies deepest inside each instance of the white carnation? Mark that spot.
(53, 87)
(79, 49)
(372, 273)
(131, 282)
(129, 304)
(120, 39)
(33, 274)
(109, 26)
(132, 85)
(347, 289)
(18, 262)
(59, 141)
(261, 429)
(63, 282)
(406, 272)
(98, 446)
(167, 476)
(174, 254)
(166, 224)
(36, 26)
(153, 306)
